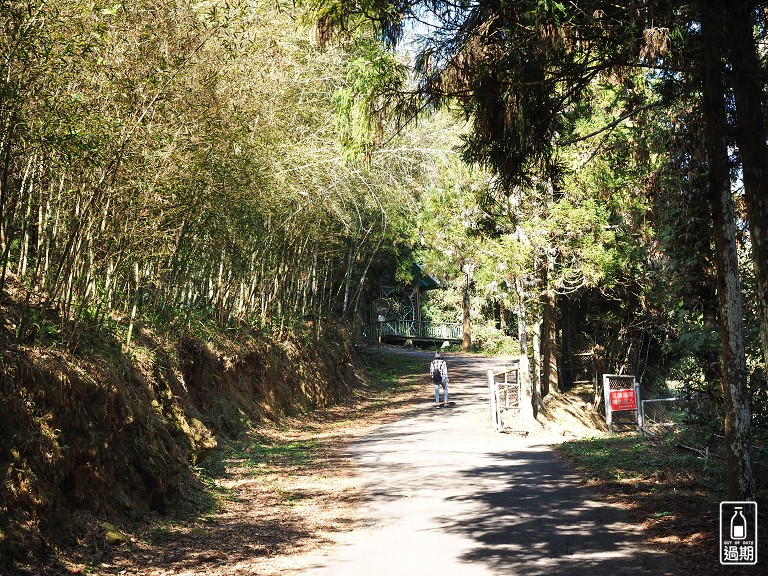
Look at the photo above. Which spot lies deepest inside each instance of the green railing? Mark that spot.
(412, 329)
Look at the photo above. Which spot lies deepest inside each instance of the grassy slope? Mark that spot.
(671, 491)
(95, 435)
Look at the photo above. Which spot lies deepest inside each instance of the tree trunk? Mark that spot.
(348, 278)
(134, 305)
(536, 368)
(8, 136)
(734, 373)
(466, 325)
(527, 418)
(502, 317)
(549, 343)
(751, 140)
(522, 328)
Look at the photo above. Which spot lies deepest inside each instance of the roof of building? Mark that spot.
(425, 281)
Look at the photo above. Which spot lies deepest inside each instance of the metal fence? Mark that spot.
(625, 408)
(659, 416)
(504, 396)
(413, 329)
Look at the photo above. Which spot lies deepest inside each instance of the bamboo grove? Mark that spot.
(180, 156)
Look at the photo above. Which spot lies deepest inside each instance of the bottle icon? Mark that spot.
(738, 525)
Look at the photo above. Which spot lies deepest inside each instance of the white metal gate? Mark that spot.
(504, 395)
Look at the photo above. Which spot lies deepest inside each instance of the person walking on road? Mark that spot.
(438, 371)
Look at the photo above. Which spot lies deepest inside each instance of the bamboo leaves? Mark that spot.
(182, 156)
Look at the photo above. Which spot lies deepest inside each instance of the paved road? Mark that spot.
(450, 496)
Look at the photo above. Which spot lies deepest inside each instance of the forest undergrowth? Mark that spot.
(98, 438)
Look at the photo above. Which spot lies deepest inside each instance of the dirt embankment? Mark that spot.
(94, 438)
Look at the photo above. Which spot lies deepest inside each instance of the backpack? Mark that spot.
(437, 377)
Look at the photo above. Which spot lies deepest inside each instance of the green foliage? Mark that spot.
(633, 458)
(487, 339)
(209, 166)
(579, 238)
(386, 374)
(185, 160)
(362, 106)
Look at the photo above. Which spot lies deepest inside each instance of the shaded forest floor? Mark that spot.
(281, 494)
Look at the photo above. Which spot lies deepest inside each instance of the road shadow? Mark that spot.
(510, 501)
(527, 509)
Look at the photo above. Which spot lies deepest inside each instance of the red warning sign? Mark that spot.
(623, 400)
